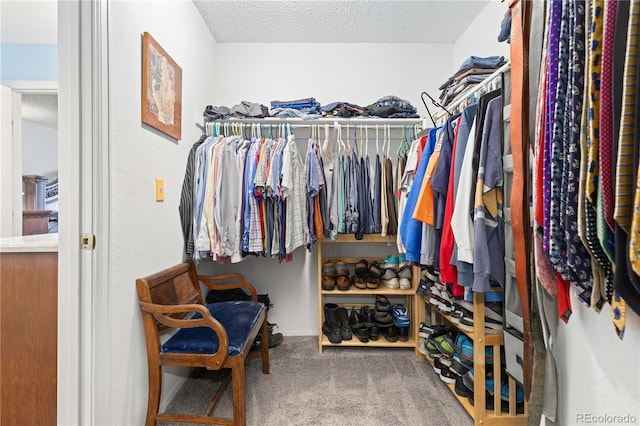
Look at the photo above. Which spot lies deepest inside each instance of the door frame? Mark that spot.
(12, 160)
(83, 156)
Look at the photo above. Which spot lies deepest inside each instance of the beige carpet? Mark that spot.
(341, 386)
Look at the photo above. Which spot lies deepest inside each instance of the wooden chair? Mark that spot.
(217, 336)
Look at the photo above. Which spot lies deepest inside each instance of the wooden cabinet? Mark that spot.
(35, 222)
(28, 338)
(346, 298)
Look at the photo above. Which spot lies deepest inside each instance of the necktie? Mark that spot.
(594, 66)
(627, 282)
(606, 111)
(578, 261)
(624, 172)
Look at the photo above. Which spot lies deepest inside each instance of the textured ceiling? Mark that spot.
(347, 21)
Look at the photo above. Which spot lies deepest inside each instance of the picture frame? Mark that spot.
(161, 89)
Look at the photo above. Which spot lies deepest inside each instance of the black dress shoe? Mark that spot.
(362, 334)
(390, 333)
(403, 334)
(374, 333)
(368, 316)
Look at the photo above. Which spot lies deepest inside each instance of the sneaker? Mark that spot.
(457, 366)
(464, 348)
(460, 389)
(390, 262)
(404, 283)
(447, 376)
(400, 315)
(405, 273)
(425, 330)
(390, 279)
(423, 289)
(432, 349)
(439, 364)
(431, 274)
(444, 344)
(402, 262)
(504, 391)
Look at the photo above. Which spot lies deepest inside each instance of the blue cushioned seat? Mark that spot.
(237, 318)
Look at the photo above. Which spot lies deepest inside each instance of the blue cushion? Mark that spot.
(238, 319)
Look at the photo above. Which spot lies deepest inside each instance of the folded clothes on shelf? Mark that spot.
(297, 104)
(392, 107)
(342, 109)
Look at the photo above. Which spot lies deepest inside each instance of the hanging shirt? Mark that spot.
(488, 266)
(293, 192)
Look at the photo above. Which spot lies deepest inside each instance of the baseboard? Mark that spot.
(167, 396)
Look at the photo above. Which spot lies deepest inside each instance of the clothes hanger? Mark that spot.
(326, 147)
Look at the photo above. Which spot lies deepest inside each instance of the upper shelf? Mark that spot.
(367, 238)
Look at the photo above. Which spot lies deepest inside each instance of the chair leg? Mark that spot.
(265, 348)
(155, 386)
(237, 379)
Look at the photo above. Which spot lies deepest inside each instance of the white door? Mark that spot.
(83, 297)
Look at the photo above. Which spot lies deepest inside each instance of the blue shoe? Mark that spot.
(504, 391)
(390, 262)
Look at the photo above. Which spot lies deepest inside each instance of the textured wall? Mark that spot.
(145, 234)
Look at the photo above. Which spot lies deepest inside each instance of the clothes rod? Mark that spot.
(465, 95)
(301, 123)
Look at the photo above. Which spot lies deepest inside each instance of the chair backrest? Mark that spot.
(177, 285)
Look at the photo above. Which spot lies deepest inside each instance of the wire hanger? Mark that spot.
(433, 101)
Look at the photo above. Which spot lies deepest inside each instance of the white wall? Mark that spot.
(356, 73)
(597, 372)
(39, 150)
(145, 234)
(481, 38)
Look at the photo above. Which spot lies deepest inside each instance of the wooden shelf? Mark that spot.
(491, 416)
(491, 337)
(380, 343)
(382, 289)
(409, 295)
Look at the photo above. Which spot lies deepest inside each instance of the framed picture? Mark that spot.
(161, 89)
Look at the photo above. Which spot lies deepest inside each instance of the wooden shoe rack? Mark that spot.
(481, 340)
(346, 298)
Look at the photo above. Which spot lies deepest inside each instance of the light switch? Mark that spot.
(159, 189)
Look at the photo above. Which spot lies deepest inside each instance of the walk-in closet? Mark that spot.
(339, 212)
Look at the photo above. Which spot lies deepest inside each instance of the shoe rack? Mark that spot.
(481, 339)
(345, 298)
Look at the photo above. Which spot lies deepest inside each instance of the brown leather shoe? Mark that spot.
(328, 283)
(344, 283)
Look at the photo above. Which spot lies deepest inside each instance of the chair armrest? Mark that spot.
(162, 314)
(227, 282)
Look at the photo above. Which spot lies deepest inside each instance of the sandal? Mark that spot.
(360, 282)
(374, 269)
(382, 304)
(361, 267)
